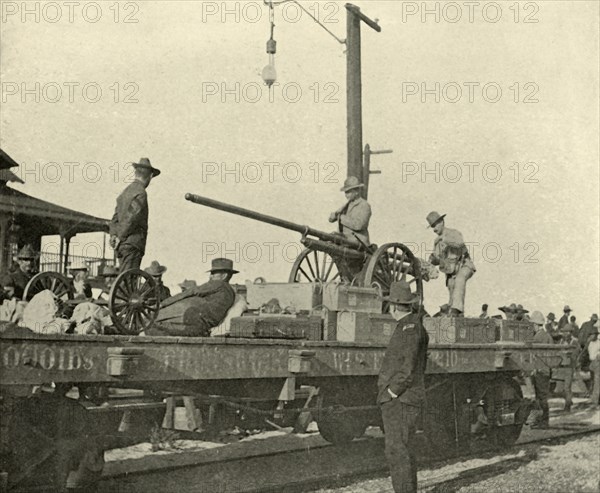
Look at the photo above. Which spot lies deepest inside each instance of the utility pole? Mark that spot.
(354, 89)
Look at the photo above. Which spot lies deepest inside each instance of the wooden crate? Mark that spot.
(365, 327)
(301, 296)
(277, 327)
(460, 330)
(329, 325)
(514, 331)
(340, 297)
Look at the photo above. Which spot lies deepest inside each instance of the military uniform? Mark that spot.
(354, 219)
(18, 280)
(403, 374)
(541, 380)
(194, 312)
(130, 225)
(451, 254)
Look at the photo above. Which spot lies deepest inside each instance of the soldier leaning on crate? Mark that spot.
(129, 225)
(194, 312)
(452, 256)
(353, 217)
(14, 282)
(401, 386)
(541, 376)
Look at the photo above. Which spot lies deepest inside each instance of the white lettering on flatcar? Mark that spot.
(46, 358)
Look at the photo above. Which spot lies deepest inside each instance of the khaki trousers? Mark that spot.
(457, 287)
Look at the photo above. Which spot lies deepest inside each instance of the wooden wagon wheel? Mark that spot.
(55, 282)
(314, 266)
(133, 301)
(393, 262)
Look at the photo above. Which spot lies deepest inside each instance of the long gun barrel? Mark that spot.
(275, 221)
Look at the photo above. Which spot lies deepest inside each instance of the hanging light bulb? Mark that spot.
(269, 74)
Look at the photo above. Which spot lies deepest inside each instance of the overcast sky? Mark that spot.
(517, 95)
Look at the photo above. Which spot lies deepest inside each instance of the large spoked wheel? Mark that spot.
(55, 282)
(393, 262)
(133, 302)
(313, 266)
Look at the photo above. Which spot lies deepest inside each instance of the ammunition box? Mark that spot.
(277, 327)
(514, 331)
(300, 296)
(340, 297)
(460, 330)
(365, 327)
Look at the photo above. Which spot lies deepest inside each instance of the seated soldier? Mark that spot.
(196, 311)
(82, 289)
(17, 280)
(156, 271)
(109, 274)
(353, 217)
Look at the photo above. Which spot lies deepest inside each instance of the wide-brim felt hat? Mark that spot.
(567, 308)
(433, 218)
(350, 183)
(145, 164)
(400, 294)
(508, 309)
(27, 252)
(156, 269)
(551, 316)
(520, 309)
(187, 284)
(222, 265)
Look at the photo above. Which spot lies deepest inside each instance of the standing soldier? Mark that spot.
(14, 282)
(402, 387)
(586, 330)
(593, 350)
(570, 340)
(129, 225)
(452, 256)
(541, 376)
(564, 320)
(484, 311)
(156, 271)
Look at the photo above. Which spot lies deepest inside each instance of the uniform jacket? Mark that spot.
(163, 292)
(453, 237)
(130, 220)
(217, 298)
(19, 280)
(564, 320)
(403, 367)
(354, 218)
(585, 332)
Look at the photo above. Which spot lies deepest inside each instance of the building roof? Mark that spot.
(6, 161)
(28, 209)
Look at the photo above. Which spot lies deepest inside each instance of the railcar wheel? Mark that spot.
(393, 262)
(55, 282)
(314, 266)
(133, 301)
(508, 403)
(338, 425)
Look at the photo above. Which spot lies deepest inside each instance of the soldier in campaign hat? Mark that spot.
(451, 255)
(156, 271)
(354, 216)
(187, 284)
(14, 282)
(401, 385)
(129, 225)
(197, 310)
(510, 312)
(564, 320)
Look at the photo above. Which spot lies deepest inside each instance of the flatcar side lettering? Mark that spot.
(46, 358)
(445, 358)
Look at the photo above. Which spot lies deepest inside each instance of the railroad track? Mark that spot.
(315, 464)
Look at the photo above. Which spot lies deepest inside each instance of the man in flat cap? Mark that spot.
(194, 312)
(14, 282)
(564, 320)
(451, 255)
(353, 217)
(129, 225)
(401, 385)
(156, 271)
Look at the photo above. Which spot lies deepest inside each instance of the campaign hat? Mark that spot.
(222, 265)
(145, 164)
(434, 217)
(350, 183)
